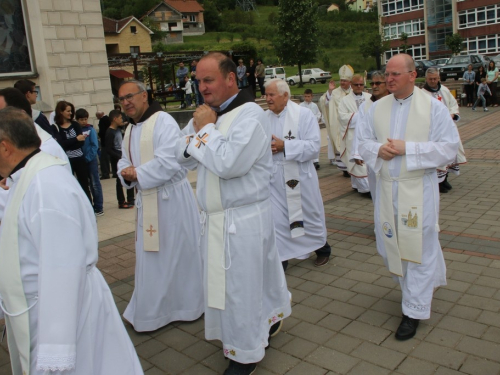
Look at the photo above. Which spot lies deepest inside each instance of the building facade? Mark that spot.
(427, 23)
(58, 44)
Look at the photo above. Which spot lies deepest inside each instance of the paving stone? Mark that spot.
(312, 332)
(308, 314)
(462, 276)
(480, 302)
(388, 307)
(465, 312)
(319, 277)
(413, 366)
(292, 281)
(366, 332)
(298, 295)
(154, 371)
(335, 361)
(310, 287)
(299, 348)
(344, 283)
(344, 309)
(457, 286)
(177, 339)
(493, 282)
(362, 300)
(374, 318)
(364, 368)
(474, 365)
(463, 326)
(193, 327)
(441, 306)
(282, 339)
(492, 334)
(199, 369)
(150, 348)
(378, 355)
(278, 362)
(447, 295)
(216, 362)
(172, 362)
(343, 343)
(466, 267)
(370, 289)
(361, 276)
(443, 337)
(387, 282)
(480, 348)
(446, 371)
(306, 368)
(443, 356)
(200, 350)
(405, 347)
(334, 322)
(316, 301)
(333, 293)
(482, 291)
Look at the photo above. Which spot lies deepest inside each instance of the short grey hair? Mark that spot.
(281, 86)
(431, 71)
(378, 73)
(140, 85)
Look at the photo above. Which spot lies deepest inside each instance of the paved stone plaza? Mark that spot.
(345, 314)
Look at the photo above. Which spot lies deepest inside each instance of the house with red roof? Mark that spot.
(128, 35)
(178, 18)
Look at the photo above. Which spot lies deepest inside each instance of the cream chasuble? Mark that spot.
(14, 302)
(403, 239)
(148, 198)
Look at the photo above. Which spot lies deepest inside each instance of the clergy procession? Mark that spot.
(223, 251)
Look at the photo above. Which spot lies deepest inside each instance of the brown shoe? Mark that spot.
(321, 261)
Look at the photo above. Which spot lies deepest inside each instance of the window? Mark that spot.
(15, 42)
(133, 29)
(135, 49)
(439, 12)
(390, 7)
(172, 25)
(417, 51)
(479, 16)
(192, 18)
(437, 38)
(482, 44)
(411, 28)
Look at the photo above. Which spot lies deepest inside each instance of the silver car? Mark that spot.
(311, 75)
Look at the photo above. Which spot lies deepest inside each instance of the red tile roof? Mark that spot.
(115, 26)
(185, 6)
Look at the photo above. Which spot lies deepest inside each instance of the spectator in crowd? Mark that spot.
(469, 80)
(182, 71)
(260, 72)
(104, 158)
(251, 76)
(90, 148)
(188, 88)
(28, 88)
(491, 80)
(114, 140)
(71, 140)
(481, 73)
(241, 71)
(481, 90)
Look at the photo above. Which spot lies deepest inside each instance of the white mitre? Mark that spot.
(346, 72)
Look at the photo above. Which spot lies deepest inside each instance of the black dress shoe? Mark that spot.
(236, 368)
(316, 165)
(105, 178)
(446, 184)
(407, 328)
(442, 188)
(345, 174)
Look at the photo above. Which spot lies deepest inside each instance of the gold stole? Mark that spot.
(149, 197)
(402, 238)
(14, 301)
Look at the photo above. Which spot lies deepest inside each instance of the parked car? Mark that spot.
(457, 65)
(496, 59)
(439, 62)
(310, 75)
(486, 60)
(275, 72)
(421, 67)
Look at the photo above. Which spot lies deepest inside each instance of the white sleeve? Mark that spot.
(368, 144)
(307, 146)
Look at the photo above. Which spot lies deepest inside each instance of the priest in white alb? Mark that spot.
(298, 212)
(229, 143)
(329, 107)
(60, 315)
(403, 138)
(434, 88)
(349, 109)
(168, 271)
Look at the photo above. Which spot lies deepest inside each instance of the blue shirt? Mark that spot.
(91, 145)
(469, 77)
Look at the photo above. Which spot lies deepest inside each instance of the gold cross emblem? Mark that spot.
(202, 140)
(151, 230)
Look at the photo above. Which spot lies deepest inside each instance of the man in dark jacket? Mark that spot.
(103, 125)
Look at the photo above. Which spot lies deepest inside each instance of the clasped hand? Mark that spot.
(392, 148)
(202, 116)
(129, 174)
(277, 145)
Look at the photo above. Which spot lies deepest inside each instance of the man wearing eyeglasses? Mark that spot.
(403, 139)
(379, 90)
(328, 105)
(348, 117)
(28, 88)
(168, 272)
(434, 88)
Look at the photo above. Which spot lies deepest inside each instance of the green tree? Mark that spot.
(158, 35)
(403, 47)
(211, 15)
(455, 43)
(297, 36)
(374, 45)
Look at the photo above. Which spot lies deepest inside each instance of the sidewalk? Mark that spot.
(345, 314)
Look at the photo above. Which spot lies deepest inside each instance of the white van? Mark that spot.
(275, 72)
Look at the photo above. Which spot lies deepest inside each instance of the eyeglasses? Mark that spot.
(395, 74)
(357, 84)
(128, 97)
(34, 91)
(376, 83)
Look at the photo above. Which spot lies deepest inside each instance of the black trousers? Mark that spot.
(119, 187)
(80, 169)
(261, 85)
(324, 251)
(492, 99)
(104, 161)
(469, 90)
